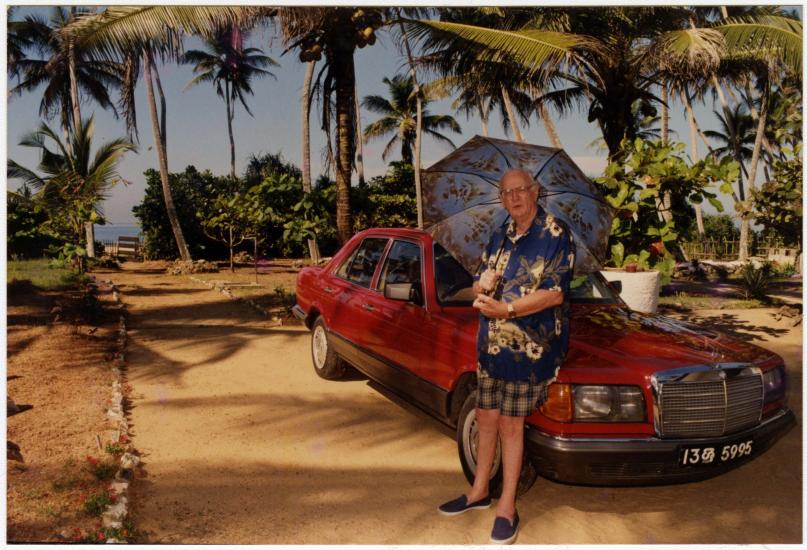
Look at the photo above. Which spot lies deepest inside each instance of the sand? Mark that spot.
(243, 443)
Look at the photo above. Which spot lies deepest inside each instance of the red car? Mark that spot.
(641, 399)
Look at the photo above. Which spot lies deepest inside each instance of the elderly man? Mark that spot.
(521, 288)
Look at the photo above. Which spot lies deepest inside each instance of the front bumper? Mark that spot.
(650, 461)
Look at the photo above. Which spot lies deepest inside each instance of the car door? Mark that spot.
(403, 335)
(350, 288)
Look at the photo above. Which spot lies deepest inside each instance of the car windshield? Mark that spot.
(592, 288)
(453, 284)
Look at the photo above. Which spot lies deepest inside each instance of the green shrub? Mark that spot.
(96, 503)
(755, 281)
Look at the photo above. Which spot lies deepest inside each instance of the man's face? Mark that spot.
(518, 194)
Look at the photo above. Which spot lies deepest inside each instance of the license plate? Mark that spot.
(697, 455)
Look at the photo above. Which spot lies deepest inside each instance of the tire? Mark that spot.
(466, 445)
(327, 364)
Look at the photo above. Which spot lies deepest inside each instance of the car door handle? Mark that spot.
(328, 289)
(368, 307)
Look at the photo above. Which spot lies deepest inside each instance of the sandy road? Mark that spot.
(243, 443)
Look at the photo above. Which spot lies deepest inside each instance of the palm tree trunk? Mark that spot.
(359, 141)
(184, 253)
(508, 105)
(74, 99)
(305, 101)
(755, 116)
(89, 227)
(549, 126)
(483, 116)
(163, 109)
(752, 171)
(345, 85)
(693, 144)
(230, 127)
(418, 125)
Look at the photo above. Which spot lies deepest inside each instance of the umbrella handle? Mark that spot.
(496, 290)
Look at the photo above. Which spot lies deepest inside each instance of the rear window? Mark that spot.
(359, 267)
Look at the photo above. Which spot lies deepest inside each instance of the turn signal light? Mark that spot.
(559, 404)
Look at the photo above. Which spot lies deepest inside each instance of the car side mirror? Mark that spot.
(405, 292)
(616, 286)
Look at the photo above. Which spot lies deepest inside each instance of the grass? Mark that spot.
(41, 274)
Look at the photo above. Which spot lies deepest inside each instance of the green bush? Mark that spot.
(755, 281)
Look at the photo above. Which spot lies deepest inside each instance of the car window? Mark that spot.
(360, 266)
(453, 283)
(402, 266)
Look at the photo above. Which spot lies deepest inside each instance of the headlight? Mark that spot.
(773, 383)
(609, 404)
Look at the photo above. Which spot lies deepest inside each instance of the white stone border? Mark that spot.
(278, 321)
(114, 514)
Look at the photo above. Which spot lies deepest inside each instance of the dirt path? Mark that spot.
(243, 443)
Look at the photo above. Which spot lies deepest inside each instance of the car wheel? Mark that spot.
(327, 364)
(467, 440)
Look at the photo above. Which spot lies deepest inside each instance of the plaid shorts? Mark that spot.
(512, 397)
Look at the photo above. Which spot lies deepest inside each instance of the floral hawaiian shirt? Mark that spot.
(531, 347)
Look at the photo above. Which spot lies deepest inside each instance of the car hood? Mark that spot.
(614, 337)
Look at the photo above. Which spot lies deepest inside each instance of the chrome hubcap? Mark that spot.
(319, 345)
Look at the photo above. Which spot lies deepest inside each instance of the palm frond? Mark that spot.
(119, 29)
(534, 49)
(28, 177)
(688, 51)
(773, 36)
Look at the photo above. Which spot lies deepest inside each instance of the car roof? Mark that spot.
(409, 232)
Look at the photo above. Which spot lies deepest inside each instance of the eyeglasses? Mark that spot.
(516, 191)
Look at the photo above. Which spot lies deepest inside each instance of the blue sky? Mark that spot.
(197, 131)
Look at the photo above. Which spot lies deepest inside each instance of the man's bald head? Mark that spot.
(516, 177)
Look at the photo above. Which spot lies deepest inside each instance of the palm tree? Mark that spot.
(94, 77)
(135, 35)
(334, 34)
(736, 136)
(225, 60)
(64, 69)
(399, 118)
(72, 182)
(613, 53)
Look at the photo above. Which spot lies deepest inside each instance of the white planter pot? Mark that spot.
(640, 290)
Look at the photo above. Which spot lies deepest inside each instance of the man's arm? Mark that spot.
(526, 305)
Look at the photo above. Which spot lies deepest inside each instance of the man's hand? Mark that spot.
(488, 280)
(490, 307)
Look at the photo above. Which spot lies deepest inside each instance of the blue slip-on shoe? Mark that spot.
(461, 505)
(504, 532)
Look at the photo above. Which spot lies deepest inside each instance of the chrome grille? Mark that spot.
(708, 401)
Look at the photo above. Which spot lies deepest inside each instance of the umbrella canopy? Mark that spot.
(461, 205)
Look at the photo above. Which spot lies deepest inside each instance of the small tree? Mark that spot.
(635, 184)
(234, 216)
(73, 181)
(778, 202)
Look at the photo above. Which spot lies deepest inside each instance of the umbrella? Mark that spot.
(461, 205)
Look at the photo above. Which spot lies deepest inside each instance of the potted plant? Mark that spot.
(652, 186)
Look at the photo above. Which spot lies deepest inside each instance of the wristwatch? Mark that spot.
(511, 311)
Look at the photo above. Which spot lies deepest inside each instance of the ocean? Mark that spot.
(111, 231)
